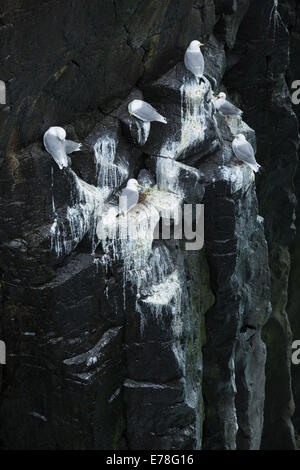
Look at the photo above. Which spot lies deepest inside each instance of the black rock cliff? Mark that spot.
(143, 343)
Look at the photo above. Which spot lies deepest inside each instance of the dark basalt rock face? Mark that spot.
(147, 345)
(276, 128)
(290, 15)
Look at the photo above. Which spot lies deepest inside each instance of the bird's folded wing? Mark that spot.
(60, 157)
(71, 146)
(246, 153)
(128, 199)
(194, 62)
(228, 109)
(147, 113)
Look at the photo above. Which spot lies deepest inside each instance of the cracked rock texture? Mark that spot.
(148, 345)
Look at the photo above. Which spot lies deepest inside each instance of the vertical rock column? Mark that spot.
(234, 355)
(262, 72)
(163, 338)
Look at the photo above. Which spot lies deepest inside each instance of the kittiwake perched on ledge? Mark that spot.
(244, 152)
(194, 60)
(225, 107)
(129, 196)
(56, 144)
(145, 112)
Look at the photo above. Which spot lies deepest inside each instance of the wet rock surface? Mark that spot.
(145, 344)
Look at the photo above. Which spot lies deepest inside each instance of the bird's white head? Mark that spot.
(133, 184)
(56, 131)
(221, 96)
(60, 133)
(195, 45)
(133, 105)
(240, 137)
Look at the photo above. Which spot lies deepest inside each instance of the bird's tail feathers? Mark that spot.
(255, 167)
(72, 146)
(63, 164)
(78, 147)
(163, 120)
(120, 213)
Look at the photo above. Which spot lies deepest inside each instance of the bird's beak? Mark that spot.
(233, 135)
(201, 44)
(218, 98)
(139, 186)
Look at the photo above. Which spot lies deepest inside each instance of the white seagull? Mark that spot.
(244, 152)
(225, 107)
(56, 144)
(129, 196)
(145, 112)
(194, 60)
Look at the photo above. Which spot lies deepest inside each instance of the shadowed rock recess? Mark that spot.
(141, 343)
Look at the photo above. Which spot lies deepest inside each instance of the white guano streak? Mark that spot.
(143, 130)
(109, 175)
(193, 127)
(80, 219)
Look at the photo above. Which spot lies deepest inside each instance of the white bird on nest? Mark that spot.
(225, 107)
(129, 197)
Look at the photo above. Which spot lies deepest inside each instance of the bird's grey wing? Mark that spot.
(194, 62)
(56, 150)
(147, 113)
(128, 199)
(61, 158)
(245, 153)
(71, 146)
(228, 109)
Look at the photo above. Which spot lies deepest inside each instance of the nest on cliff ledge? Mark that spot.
(144, 194)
